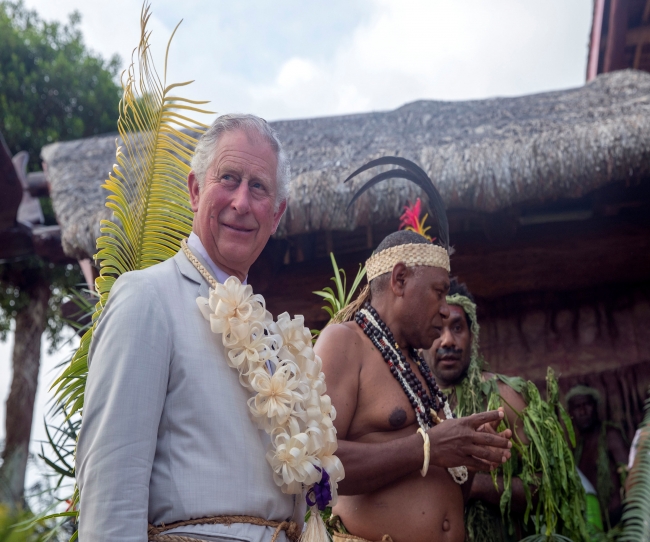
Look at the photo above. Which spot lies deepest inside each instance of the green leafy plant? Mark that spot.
(548, 463)
(150, 204)
(545, 465)
(52, 87)
(340, 298)
(21, 527)
(636, 511)
(62, 437)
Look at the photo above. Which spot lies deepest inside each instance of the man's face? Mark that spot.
(424, 305)
(450, 355)
(583, 411)
(235, 212)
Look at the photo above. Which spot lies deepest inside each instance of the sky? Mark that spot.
(286, 59)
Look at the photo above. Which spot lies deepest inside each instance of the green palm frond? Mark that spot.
(340, 298)
(636, 513)
(147, 192)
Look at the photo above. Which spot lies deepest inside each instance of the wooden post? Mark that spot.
(637, 56)
(639, 46)
(31, 321)
(596, 32)
(615, 50)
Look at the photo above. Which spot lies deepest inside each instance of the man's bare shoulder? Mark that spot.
(509, 394)
(340, 343)
(343, 327)
(344, 337)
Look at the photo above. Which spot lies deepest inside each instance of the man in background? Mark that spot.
(600, 452)
(460, 371)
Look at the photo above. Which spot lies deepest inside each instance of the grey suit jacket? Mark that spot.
(166, 435)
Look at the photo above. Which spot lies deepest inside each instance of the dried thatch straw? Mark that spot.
(484, 155)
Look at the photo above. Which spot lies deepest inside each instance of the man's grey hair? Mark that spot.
(207, 145)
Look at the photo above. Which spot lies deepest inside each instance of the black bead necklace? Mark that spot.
(425, 406)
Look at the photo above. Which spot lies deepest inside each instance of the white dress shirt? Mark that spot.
(221, 276)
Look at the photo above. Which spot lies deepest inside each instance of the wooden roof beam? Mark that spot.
(638, 35)
(646, 12)
(616, 37)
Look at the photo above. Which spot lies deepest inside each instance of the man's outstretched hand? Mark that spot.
(471, 441)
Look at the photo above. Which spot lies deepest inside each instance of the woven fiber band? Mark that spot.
(158, 534)
(411, 254)
(346, 537)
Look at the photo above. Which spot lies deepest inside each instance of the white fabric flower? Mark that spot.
(250, 347)
(290, 404)
(292, 465)
(295, 336)
(276, 395)
(204, 307)
(232, 301)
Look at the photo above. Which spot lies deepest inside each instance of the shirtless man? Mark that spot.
(454, 358)
(600, 450)
(458, 367)
(384, 492)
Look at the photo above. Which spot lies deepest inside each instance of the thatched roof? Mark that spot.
(484, 155)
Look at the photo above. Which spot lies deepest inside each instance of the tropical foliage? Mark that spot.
(52, 88)
(149, 200)
(547, 465)
(340, 297)
(636, 513)
(18, 279)
(20, 527)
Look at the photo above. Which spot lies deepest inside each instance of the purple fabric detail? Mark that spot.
(320, 493)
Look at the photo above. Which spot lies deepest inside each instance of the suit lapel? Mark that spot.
(191, 273)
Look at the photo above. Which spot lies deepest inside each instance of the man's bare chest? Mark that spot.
(383, 411)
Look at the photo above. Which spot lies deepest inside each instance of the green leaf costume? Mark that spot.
(545, 465)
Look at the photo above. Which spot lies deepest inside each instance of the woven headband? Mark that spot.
(411, 254)
(580, 390)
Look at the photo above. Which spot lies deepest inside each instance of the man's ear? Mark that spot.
(278, 215)
(398, 279)
(194, 190)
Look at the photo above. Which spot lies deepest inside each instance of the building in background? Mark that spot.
(620, 36)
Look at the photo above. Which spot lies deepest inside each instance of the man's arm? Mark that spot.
(370, 466)
(620, 454)
(482, 486)
(125, 394)
(617, 447)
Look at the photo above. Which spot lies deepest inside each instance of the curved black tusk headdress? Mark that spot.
(415, 174)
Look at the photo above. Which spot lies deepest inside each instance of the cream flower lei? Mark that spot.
(289, 402)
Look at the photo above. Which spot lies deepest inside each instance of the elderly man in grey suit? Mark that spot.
(166, 434)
